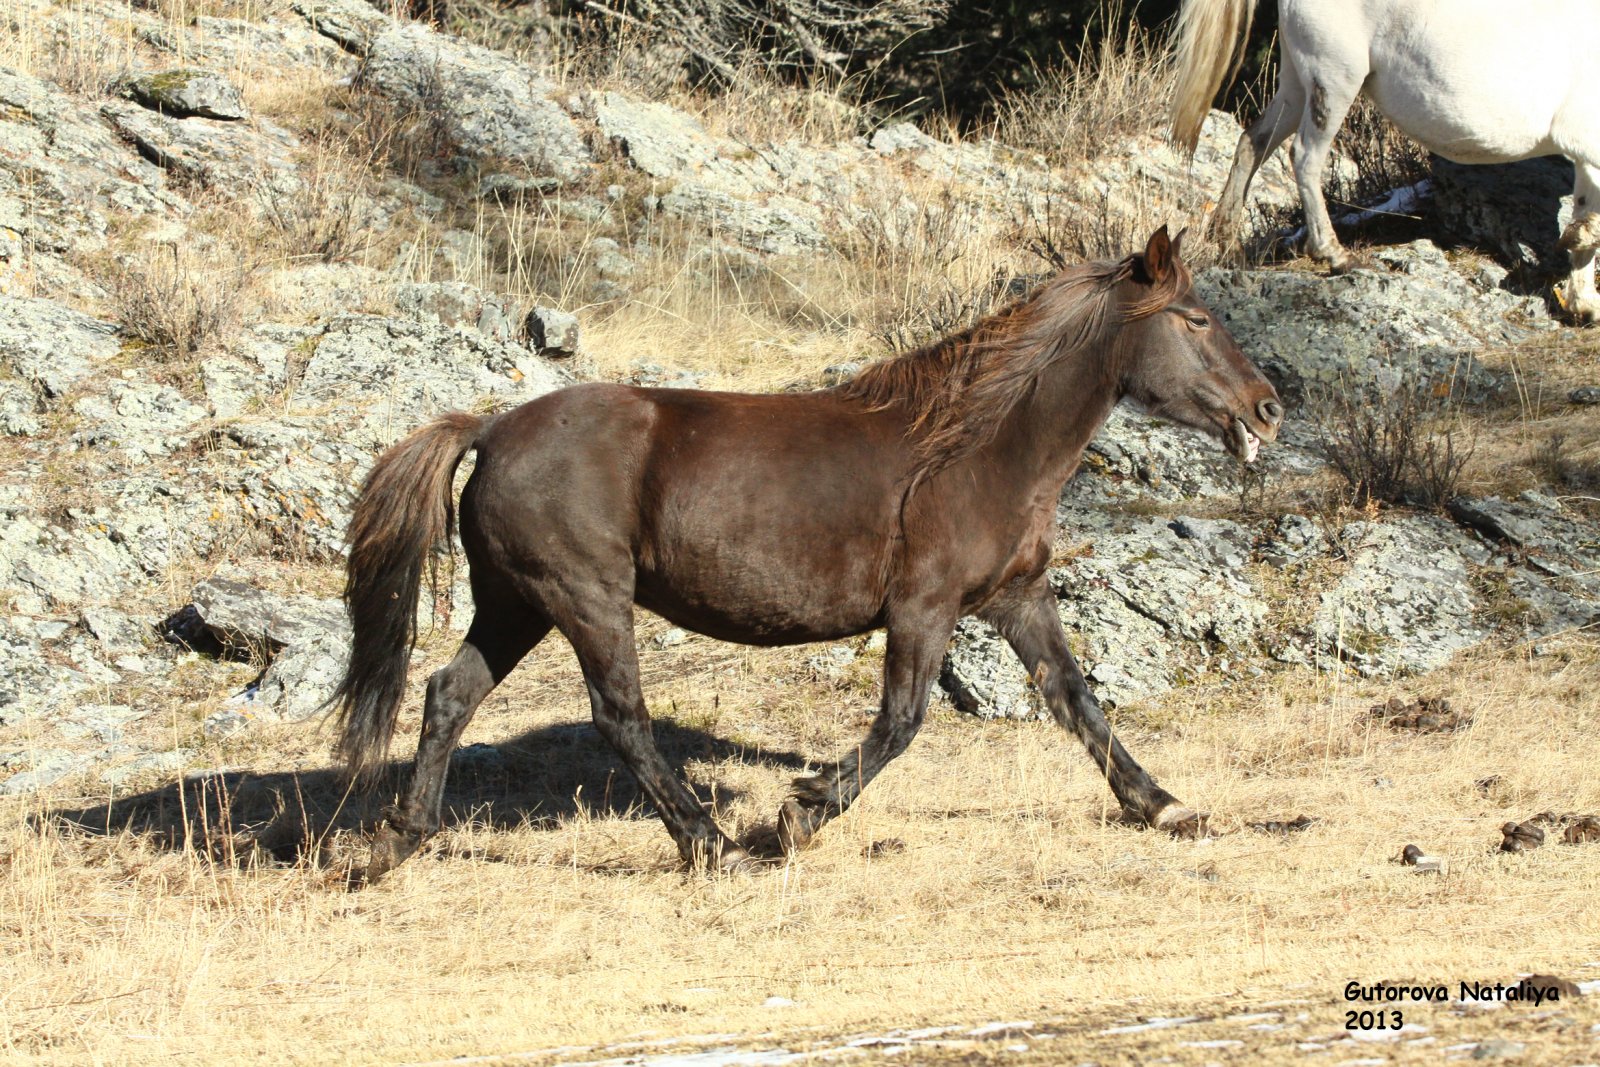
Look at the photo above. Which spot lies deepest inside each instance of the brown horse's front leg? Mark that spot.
(1034, 631)
(911, 663)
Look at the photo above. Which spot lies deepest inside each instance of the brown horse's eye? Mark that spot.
(1199, 322)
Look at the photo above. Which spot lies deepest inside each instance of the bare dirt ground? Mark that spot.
(551, 923)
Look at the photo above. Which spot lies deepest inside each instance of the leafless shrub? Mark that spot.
(941, 309)
(803, 35)
(1384, 158)
(322, 215)
(1117, 87)
(1402, 445)
(90, 63)
(898, 233)
(1061, 231)
(1559, 464)
(176, 300)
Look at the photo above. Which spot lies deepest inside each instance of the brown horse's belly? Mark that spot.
(759, 601)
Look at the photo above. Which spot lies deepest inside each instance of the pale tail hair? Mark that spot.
(1211, 38)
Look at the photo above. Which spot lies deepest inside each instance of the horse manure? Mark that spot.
(1275, 826)
(1582, 832)
(1425, 715)
(889, 846)
(1520, 837)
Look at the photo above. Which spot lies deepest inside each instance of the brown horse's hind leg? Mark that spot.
(1033, 629)
(494, 644)
(911, 664)
(605, 649)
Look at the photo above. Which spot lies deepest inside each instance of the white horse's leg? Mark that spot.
(1256, 146)
(1328, 101)
(1581, 240)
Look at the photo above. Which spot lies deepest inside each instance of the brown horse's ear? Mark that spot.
(1177, 242)
(1158, 256)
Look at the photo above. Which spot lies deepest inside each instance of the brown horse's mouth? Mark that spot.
(1241, 441)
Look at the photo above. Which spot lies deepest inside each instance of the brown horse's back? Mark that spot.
(761, 519)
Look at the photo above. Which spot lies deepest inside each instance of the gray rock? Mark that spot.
(982, 675)
(151, 763)
(103, 722)
(1514, 210)
(141, 419)
(230, 386)
(1163, 601)
(115, 630)
(243, 45)
(455, 304)
(1420, 316)
(50, 347)
(781, 225)
(188, 92)
(381, 377)
(1406, 602)
(234, 157)
(351, 23)
(489, 105)
(552, 332)
(45, 768)
(297, 684)
(1294, 539)
(247, 619)
(1584, 396)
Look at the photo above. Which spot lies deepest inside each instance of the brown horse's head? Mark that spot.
(1178, 361)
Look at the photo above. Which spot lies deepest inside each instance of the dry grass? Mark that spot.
(546, 916)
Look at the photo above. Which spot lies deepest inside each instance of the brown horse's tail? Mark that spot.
(1211, 43)
(404, 510)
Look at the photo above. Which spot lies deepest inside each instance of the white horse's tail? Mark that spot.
(1211, 42)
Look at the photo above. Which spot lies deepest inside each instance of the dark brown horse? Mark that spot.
(923, 490)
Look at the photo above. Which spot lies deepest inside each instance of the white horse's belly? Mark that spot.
(1477, 81)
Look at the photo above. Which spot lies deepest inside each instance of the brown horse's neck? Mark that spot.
(1045, 437)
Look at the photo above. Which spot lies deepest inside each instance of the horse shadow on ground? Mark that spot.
(538, 779)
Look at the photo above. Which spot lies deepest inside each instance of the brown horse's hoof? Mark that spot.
(390, 848)
(796, 827)
(1182, 823)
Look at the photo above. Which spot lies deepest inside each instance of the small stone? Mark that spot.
(552, 332)
(889, 846)
(1498, 1048)
(670, 638)
(1585, 395)
(777, 1002)
(188, 93)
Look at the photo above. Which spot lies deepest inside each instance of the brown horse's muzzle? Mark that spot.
(1243, 437)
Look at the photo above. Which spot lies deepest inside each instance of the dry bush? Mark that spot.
(721, 37)
(1116, 88)
(1384, 158)
(323, 215)
(1406, 444)
(86, 60)
(176, 299)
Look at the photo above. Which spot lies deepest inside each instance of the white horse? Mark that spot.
(1475, 81)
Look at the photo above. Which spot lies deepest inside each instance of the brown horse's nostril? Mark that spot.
(1271, 412)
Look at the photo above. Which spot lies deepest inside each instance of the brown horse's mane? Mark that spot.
(959, 391)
